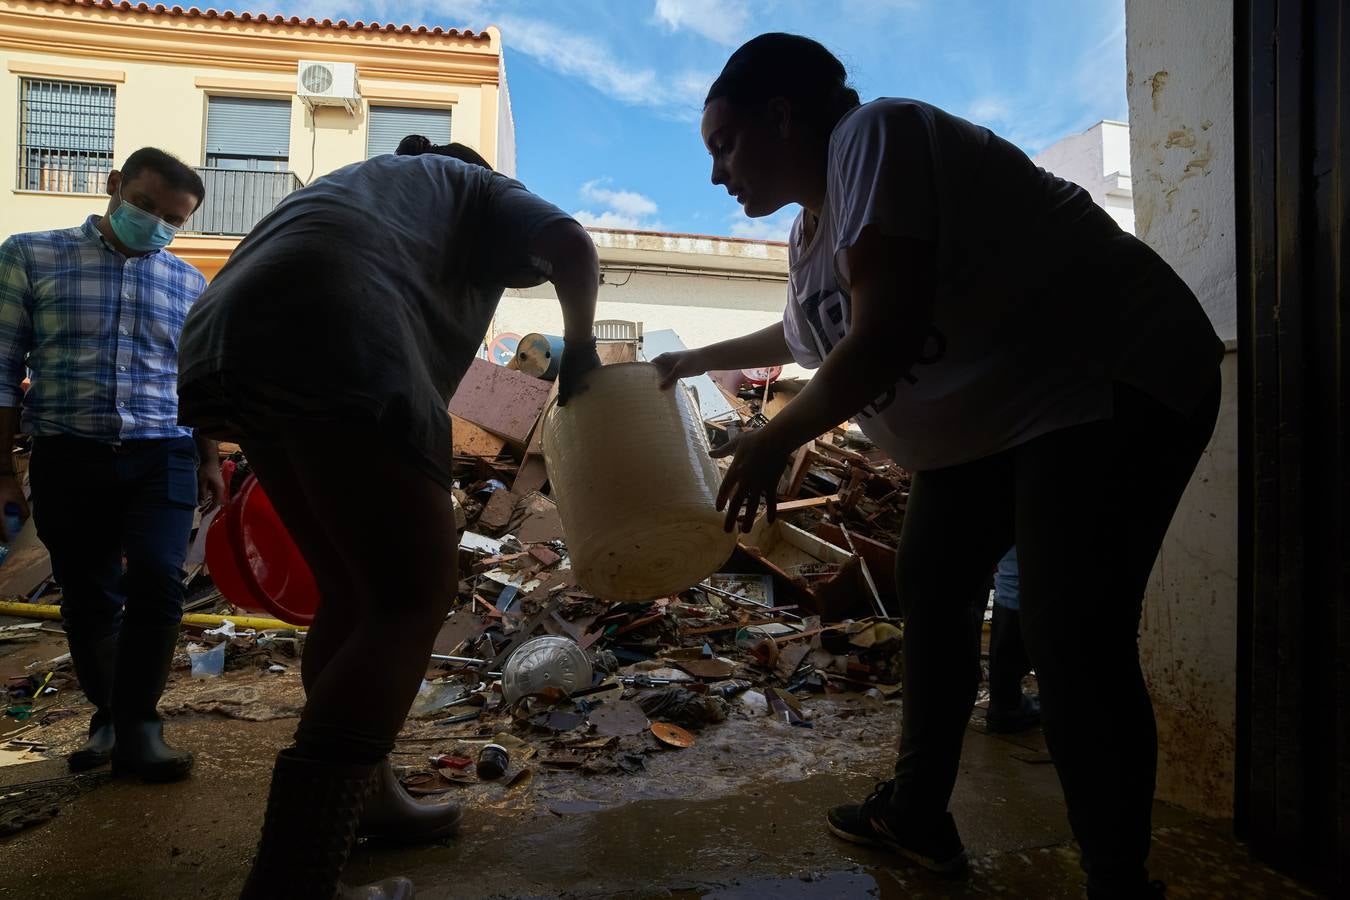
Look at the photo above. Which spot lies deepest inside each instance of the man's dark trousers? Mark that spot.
(94, 502)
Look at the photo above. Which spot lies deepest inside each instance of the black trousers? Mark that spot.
(1087, 508)
(94, 505)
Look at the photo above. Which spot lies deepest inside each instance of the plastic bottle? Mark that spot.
(13, 523)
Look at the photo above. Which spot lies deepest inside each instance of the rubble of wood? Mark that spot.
(802, 609)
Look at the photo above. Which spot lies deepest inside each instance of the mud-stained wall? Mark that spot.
(1179, 58)
(1180, 83)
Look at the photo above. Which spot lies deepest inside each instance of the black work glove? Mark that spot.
(579, 357)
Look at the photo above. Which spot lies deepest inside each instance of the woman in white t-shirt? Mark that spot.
(1048, 378)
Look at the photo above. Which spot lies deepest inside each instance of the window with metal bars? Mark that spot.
(65, 135)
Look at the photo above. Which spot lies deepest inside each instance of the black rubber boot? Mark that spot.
(95, 665)
(392, 814)
(1008, 662)
(308, 831)
(144, 654)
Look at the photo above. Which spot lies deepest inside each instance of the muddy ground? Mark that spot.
(737, 815)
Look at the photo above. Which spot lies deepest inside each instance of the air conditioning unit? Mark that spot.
(327, 84)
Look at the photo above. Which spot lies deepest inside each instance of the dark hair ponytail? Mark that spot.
(796, 68)
(416, 145)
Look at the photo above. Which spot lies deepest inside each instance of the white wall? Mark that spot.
(506, 125)
(1181, 123)
(1115, 137)
(1098, 160)
(702, 309)
(1181, 105)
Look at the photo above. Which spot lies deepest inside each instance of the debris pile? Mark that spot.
(533, 664)
(531, 673)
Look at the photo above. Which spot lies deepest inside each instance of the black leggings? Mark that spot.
(1087, 507)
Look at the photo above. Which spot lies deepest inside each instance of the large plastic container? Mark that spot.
(635, 486)
(255, 563)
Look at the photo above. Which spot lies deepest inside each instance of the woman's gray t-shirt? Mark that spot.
(371, 289)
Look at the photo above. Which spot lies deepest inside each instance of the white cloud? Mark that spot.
(1089, 86)
(676, 93)
(882, 7)
(582, 56)
(986, 110)
(472, 13)
(769, 228)
(609, 219)
(628, 203)
(627, 210)
(722, 21)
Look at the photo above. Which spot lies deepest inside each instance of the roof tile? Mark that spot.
(227, 15)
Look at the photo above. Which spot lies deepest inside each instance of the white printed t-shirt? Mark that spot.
(1042, 302)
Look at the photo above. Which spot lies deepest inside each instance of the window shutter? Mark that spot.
(387, 125)
(248, 126)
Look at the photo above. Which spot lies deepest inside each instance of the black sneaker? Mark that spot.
(933, 844)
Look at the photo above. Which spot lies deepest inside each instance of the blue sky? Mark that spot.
(607, 93)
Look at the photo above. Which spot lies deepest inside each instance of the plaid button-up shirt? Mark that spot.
(98, 331)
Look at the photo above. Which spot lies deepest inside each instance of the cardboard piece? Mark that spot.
(712, 403)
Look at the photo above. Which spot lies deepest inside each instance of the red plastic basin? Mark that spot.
(254, 562)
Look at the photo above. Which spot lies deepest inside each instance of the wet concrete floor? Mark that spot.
(194, 839)
(739, 815)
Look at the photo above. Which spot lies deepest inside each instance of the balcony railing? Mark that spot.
(236, 199)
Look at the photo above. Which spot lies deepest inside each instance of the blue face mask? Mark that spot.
(138, 229)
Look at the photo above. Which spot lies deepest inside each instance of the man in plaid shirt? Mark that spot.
(94, 314)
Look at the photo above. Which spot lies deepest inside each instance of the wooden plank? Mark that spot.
(470, 440)
(807, 503)
(830, 450)
(856, 483)
(777, 400)
(801, 462)
(880, 559)
(733, 626)
(611, 352)
(533, 472)
(531, 476)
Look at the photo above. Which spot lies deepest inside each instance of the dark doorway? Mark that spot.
(1292, 105)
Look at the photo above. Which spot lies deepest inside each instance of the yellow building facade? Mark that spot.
(83, 83)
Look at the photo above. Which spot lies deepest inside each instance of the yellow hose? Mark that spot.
(44, 611)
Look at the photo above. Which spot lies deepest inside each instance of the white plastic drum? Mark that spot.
(635, 486)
